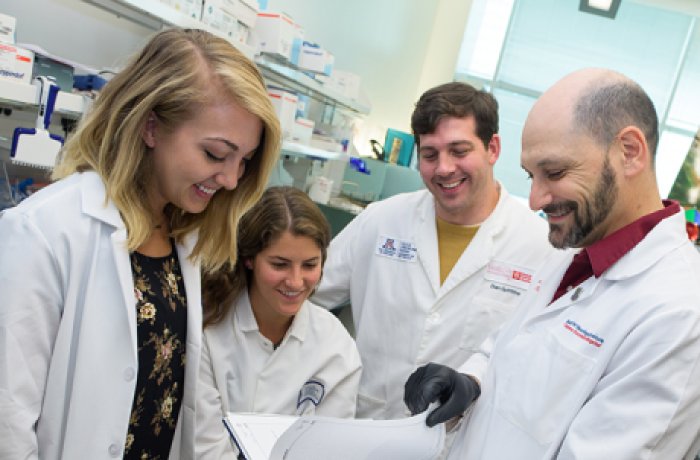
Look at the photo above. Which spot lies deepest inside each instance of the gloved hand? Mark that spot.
(435, 382)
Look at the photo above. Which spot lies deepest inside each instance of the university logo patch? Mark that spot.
(313, 391)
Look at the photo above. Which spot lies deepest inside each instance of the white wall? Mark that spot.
(445, 41)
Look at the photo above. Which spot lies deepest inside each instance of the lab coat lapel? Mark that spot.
(426, 242)
(537, 299)
(191, 276)
(126, 281)
(96, 205)
(480, 251)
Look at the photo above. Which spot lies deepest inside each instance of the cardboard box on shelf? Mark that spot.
(246, 11)
(216, 16)
(303, 130)
(16, 63)
(8, 25)
(344, 82)
(296, 43)
(274, 34)
(314, 58)
(285, 104)
(191, 8)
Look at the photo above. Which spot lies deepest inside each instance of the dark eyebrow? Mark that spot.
(452, 144)
(230, 144)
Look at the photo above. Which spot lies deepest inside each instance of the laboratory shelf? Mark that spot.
(289, 77)
(302, 150)
(154, 14)
(23, 96)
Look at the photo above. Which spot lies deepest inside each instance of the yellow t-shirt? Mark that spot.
(452, 241)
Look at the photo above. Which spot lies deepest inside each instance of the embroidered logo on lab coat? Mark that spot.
(312, 391)
(394, 248)
(581, 333)
(506, 273)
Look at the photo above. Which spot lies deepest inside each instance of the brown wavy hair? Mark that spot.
(281, 209)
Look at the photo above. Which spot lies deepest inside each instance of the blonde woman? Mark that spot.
(266, 348)
(100, 313)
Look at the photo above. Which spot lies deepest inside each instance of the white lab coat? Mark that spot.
(240, 371)
(610, 370)
(403, 317)
(68, 356)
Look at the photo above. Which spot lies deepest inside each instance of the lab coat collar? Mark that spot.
(94, 200)
(496, 221)
(247, 323)
(191, 275)
(666, 236)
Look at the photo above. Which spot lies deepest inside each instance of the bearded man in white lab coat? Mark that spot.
(602, 359)
(429, 274)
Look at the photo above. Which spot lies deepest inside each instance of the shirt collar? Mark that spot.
(605, 253)
(247, 322)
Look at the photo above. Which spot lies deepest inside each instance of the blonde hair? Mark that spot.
(280, 210)
(173, 76)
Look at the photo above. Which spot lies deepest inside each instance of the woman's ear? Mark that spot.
(148, 133)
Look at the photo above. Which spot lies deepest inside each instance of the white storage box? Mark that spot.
(8, 25)
(191, 8)
(17, 63)
(315, 59)
(345, 83)
(285, 104)
(302, 131)
(218, 18)
(274, 34)
(246, 11)
(296, 43)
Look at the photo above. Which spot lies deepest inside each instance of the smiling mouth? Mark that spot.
(558, 214)
(206, 190)
(290, 293)
(451, 185)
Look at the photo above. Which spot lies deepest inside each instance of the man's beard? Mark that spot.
(587, 216)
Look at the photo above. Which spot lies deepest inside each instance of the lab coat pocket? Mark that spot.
(487, 316)
(541, 394)
(369, 407)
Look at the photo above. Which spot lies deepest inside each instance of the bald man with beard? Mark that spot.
(602, 358)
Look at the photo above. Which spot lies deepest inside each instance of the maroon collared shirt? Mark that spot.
(601, 255)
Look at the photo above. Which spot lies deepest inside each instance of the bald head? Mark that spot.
(588, 146)
(597, 103)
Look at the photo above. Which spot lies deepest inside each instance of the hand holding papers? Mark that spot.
(263, 437)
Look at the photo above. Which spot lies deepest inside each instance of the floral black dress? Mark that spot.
(161, 318)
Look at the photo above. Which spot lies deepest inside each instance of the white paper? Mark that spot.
(264, 437)
(255, 434)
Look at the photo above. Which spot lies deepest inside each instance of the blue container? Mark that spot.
(405, 143)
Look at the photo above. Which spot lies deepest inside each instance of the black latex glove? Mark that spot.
(435, 382)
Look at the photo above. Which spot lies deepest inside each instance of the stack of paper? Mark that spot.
(278, 437)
